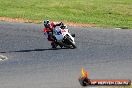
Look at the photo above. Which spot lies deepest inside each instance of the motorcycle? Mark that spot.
(63, 38)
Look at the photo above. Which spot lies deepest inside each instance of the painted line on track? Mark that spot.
(2, 58)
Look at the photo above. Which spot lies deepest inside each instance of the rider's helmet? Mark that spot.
(47, 23)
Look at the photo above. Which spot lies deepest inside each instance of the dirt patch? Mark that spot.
(40, 21)
(18, 20)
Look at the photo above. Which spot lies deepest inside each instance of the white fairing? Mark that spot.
(60, 33)
(59, 37)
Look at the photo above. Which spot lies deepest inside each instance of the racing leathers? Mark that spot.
(48, 32)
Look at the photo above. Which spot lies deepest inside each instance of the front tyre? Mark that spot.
(71, 44)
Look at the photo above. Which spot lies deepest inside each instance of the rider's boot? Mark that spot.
(53, 45)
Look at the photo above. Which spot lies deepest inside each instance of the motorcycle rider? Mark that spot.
(48, 30)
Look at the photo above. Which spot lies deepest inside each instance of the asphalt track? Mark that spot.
(31, 63)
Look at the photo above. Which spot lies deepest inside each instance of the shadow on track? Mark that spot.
(31, 50)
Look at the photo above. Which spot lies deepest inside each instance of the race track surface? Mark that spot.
(31, 63)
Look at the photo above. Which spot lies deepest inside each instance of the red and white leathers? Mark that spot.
(48, 32)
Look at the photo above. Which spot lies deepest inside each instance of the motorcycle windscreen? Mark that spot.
(59, 37)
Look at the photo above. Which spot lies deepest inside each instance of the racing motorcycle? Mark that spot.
(63, 38)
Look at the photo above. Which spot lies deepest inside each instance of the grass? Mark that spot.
(116, 13)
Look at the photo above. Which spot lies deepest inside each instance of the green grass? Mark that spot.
(116, 13)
